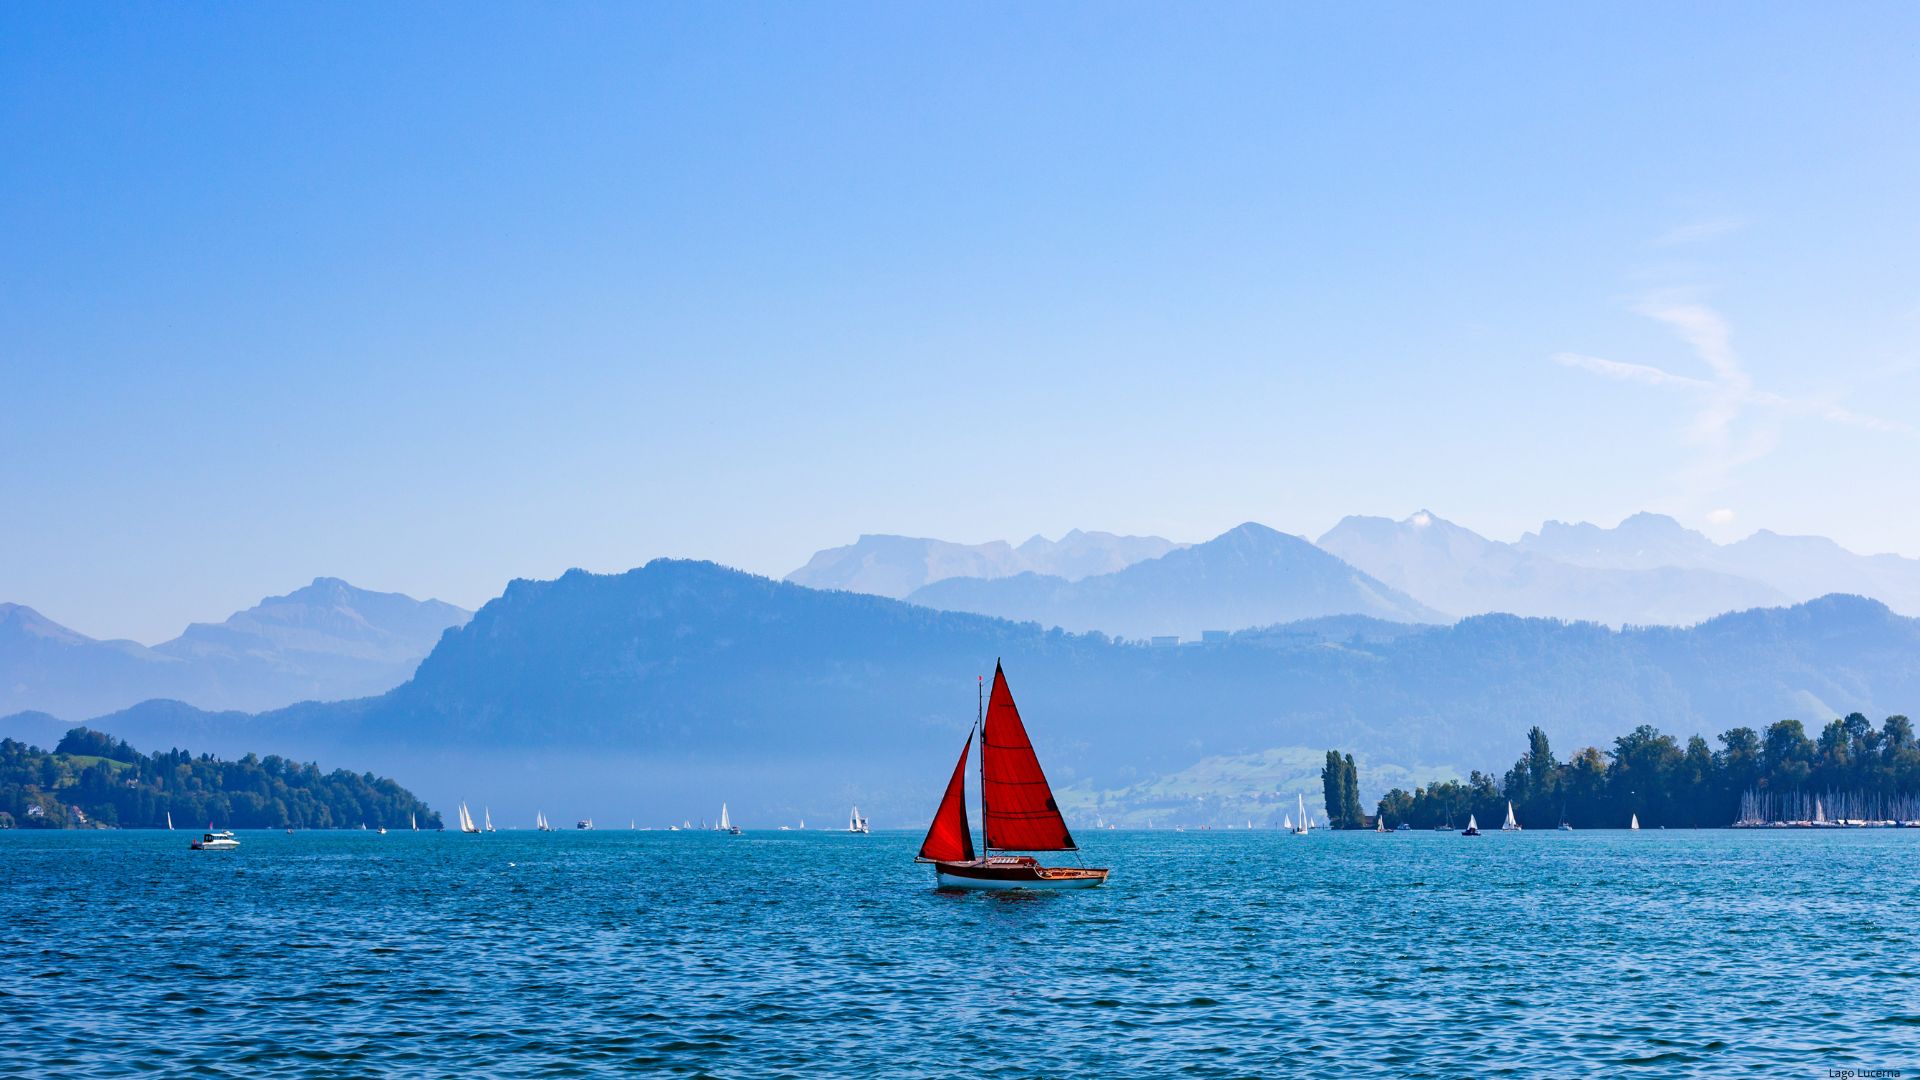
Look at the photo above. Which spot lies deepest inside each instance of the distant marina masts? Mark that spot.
(1827, 810)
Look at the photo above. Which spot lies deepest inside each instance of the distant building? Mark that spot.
(1166, 642)
(1213, 637)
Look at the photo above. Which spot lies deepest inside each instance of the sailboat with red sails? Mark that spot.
(1017, 812)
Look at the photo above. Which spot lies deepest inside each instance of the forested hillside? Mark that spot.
(92, 779)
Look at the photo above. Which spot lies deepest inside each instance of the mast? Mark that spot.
(980, 726)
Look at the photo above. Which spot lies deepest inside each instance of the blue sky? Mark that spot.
(437, 296)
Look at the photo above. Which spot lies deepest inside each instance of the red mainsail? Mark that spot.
(948, 838)
(1017, 808)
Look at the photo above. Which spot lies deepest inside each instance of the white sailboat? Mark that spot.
(540, 821)
(488, 815)
(169, 821)
(1473, 827)
(1305, 824)
(413, 822)
(1510, 825)
(1286, 822)
(726, 824)
(855, 823)
(466, 820)
(1635, 823)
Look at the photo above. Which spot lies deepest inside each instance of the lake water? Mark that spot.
(1209, 954)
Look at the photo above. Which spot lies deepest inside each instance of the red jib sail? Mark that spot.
(1017, 808)
(948, 838)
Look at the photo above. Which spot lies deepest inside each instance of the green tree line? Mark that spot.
(1666, 782)
(114, 785)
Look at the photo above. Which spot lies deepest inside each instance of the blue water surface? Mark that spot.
(801, 954)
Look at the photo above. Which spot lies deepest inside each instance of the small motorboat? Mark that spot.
(216, 841)
(1472, 829)
(1403, 827)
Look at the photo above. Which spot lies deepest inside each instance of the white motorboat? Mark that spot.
(223, 840)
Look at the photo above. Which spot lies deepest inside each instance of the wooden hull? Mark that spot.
(1003, 875)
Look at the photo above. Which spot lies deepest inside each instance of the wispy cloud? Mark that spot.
(1697, 231)
(1736, 423)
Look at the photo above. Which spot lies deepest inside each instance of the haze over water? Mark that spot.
(1210, 954)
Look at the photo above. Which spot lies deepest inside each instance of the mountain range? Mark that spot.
(660, 692)
(1647, 571)
(326, 641)
(1458, 570)
(1247, 576)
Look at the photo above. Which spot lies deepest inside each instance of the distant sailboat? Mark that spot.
(413, 821)
(1635, 823)
(1510, 825)
(169, 821)
(1564, 827)
(1305, 825)
(1473, 827)
(1380, 823)
(1286, 822)
(488, 816)
(466, 820)
(540, 821)
(726, 824)
(855, 823)
(1017, 812)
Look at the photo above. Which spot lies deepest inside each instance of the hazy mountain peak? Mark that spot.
(894, 566)
(1250, 575)
(23, 621)
(325, 640)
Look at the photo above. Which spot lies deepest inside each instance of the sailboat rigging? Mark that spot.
(1017, 811)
